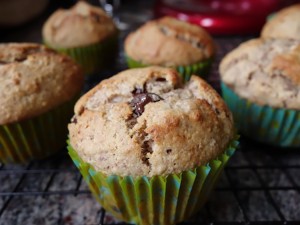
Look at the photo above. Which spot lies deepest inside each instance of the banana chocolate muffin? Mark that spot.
(261, 84)
(85, 33)
(148, 123)
(144, 131)
(173, 43)
(37, 91)
(284, 24)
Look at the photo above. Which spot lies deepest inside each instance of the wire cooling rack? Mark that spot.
(259, 186)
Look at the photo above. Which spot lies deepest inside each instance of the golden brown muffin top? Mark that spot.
(146, 122)
(33, 80)
(265, 71)
(284, 24)
(169, 42)
(81, 25)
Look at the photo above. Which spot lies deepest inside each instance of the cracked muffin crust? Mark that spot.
(147, 122)
(81, 25)
(169, 42)
(284, 24)
(265, 71)
(33, 80)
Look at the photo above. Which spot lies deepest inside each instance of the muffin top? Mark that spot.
(78, 26)
(265, 71)
(146, 122)
(169, 42)
(284, 24)
(33, 80)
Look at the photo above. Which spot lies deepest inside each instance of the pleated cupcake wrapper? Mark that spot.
(202, 68)
(35, 138)
(156, 200)
(271, 16)
(275, 126)
(95, 57)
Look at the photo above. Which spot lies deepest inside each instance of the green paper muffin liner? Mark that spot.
(201, 69)
(275, 126)
(95, 57)
(156, 200)
(271, 16)
(35, 138)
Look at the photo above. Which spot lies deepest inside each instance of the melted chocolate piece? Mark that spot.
(21, 59)
(140, 90)
(161, 79)
(140, 100)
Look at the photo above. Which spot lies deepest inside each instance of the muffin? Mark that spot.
(172, 43)
(38, 89)
(85, 33)
(261, 83)
(284, 24)
(149, 146)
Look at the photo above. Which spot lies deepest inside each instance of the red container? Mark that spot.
(222, 16)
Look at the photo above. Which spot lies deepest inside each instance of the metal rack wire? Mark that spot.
(261, 184)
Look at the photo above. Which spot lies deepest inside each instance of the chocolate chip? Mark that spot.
(21, 59)
(161, 79)
(74, 120)
(169, 151)
(139, 102)
(199, 45)
(250, 76)
(139, 90)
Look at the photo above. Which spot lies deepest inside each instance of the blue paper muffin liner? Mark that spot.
(154, 200)
(274, 126)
